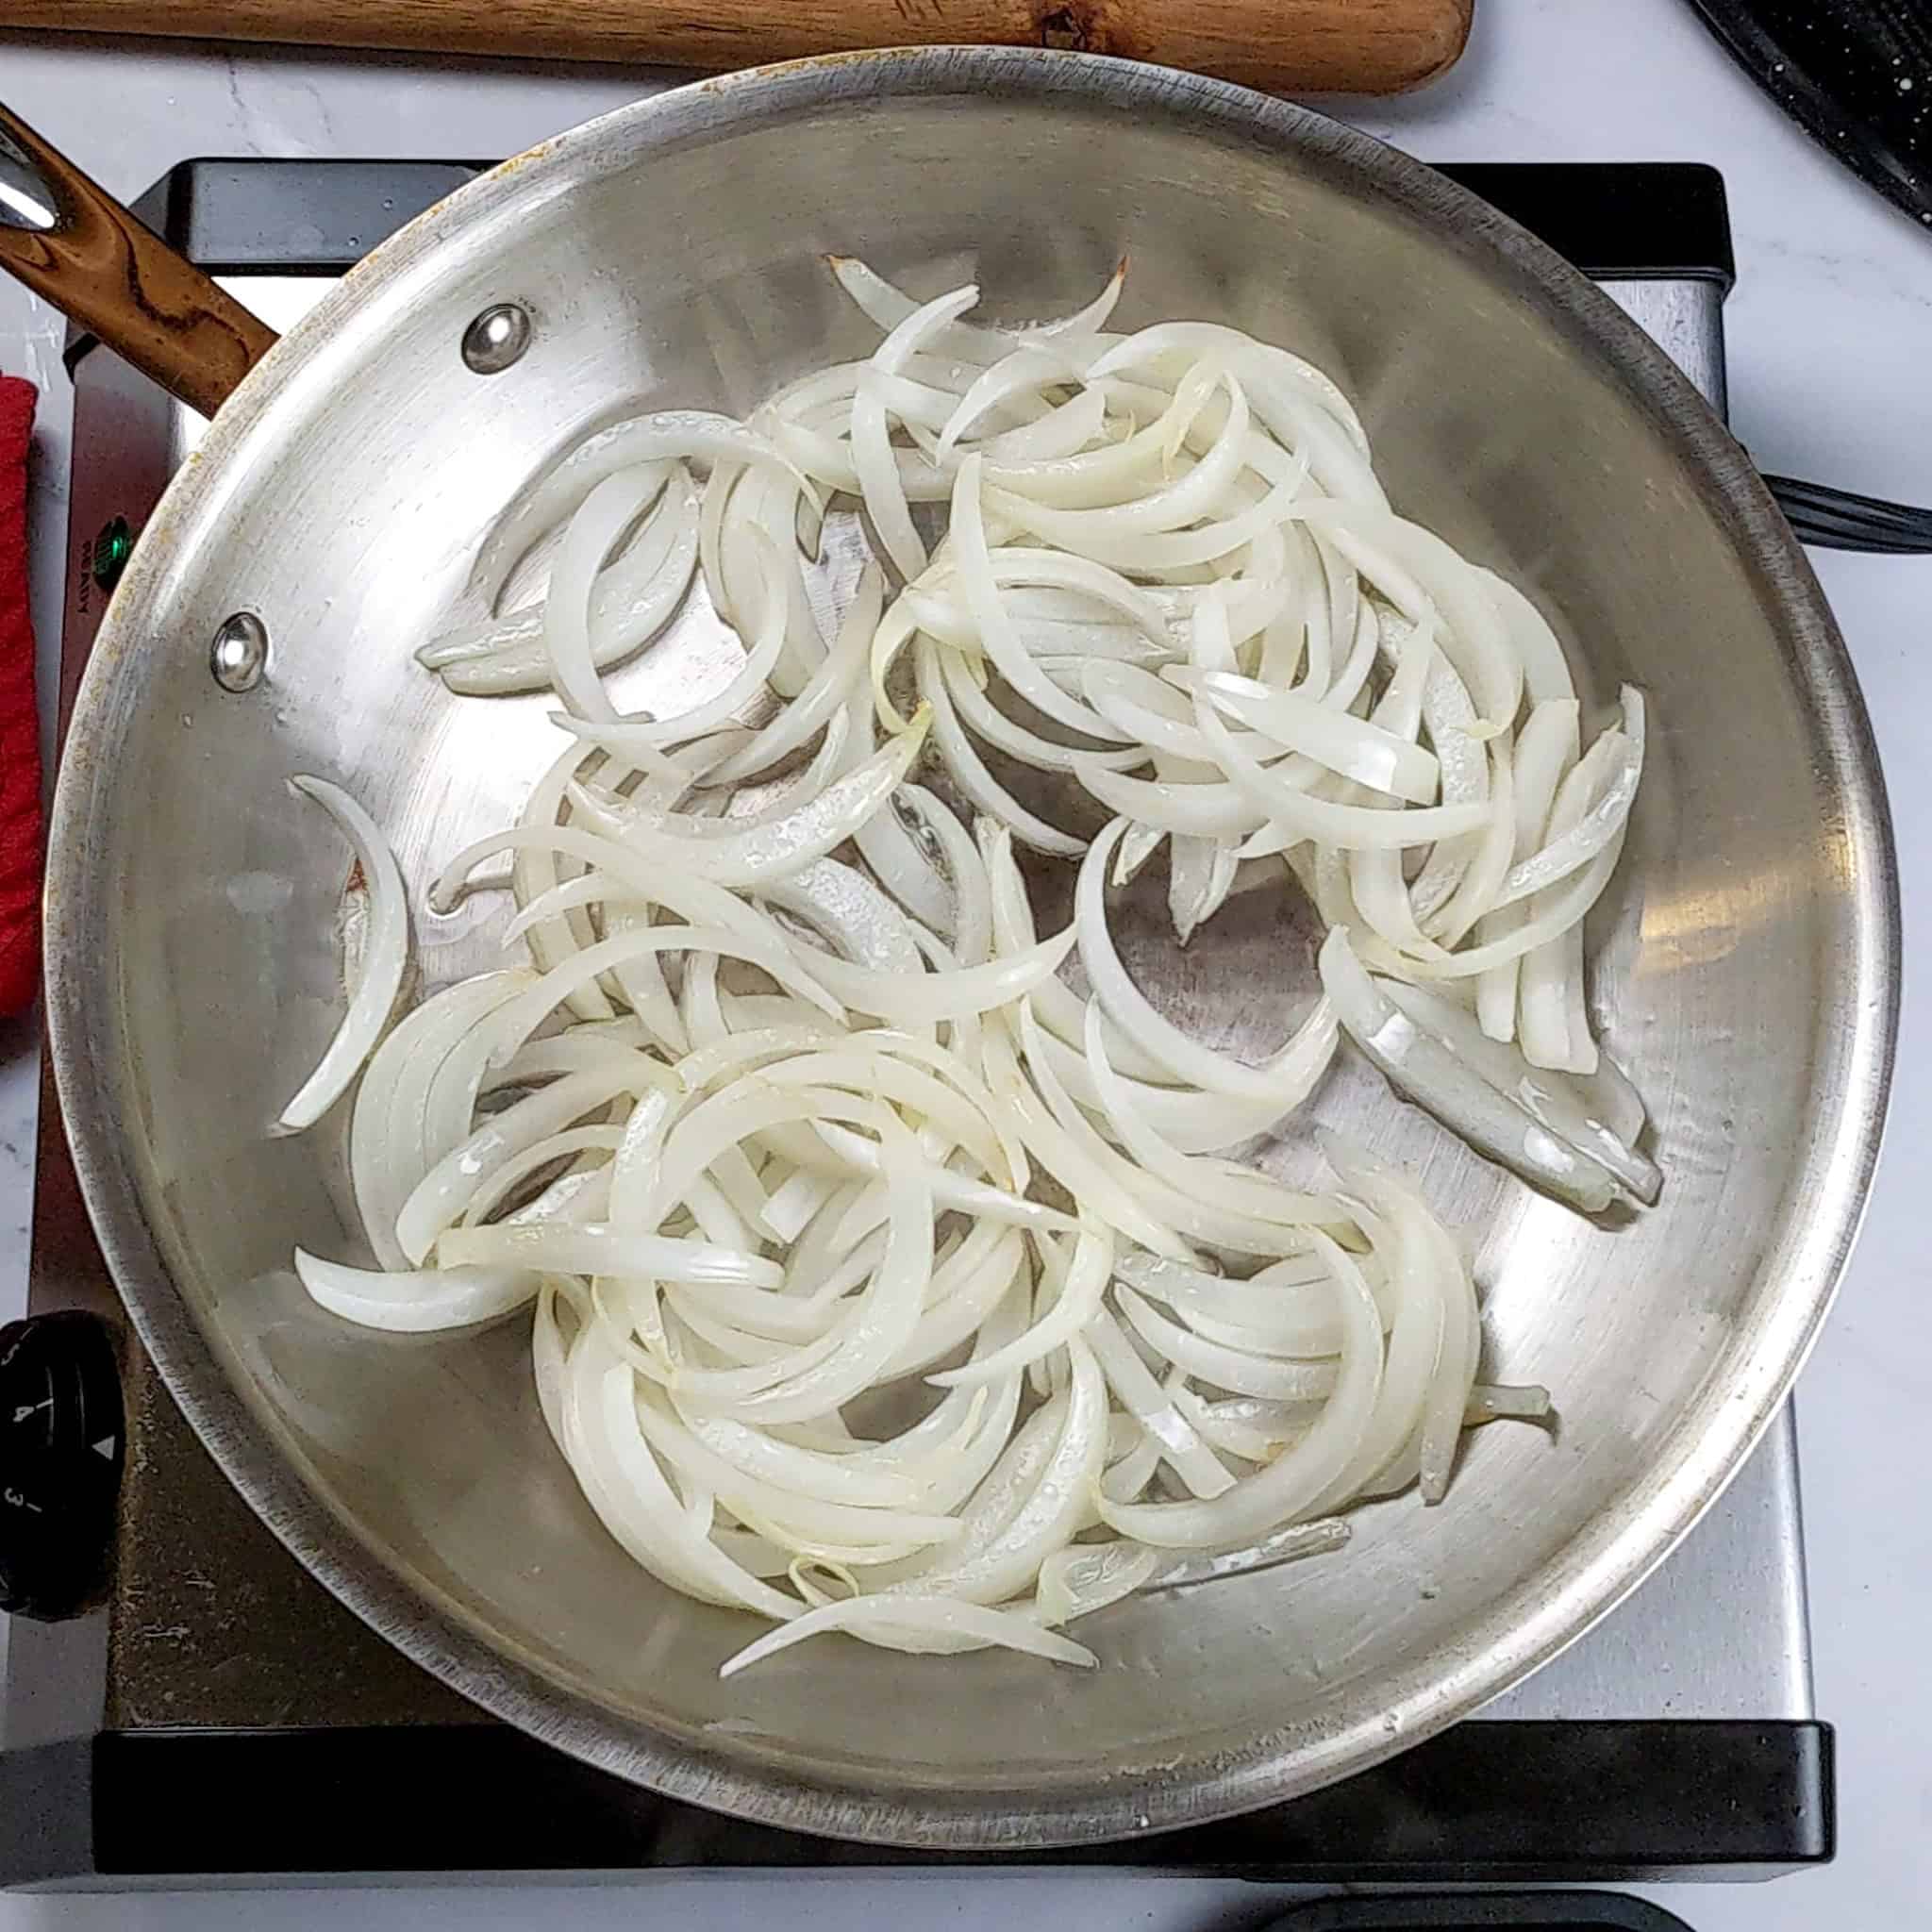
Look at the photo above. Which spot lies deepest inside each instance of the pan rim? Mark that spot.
(1527, 1624)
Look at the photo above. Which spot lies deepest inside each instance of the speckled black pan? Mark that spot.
(1856, 75)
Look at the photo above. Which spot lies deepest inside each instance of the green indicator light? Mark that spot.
(112, 548)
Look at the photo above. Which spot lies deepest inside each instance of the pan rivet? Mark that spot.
(497, 339)
(239, 654)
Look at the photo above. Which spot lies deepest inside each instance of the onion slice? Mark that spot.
(384, 956)
(940, 1625)
(417, 1301)
(1426, 1070)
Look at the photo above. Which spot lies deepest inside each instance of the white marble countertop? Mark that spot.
(1829, 332)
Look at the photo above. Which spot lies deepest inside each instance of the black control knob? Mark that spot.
(60, 1444)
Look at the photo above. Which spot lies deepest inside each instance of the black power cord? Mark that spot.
(1842, 520)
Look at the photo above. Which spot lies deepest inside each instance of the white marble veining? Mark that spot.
(1829, 332)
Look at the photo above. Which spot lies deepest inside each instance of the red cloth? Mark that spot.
(20, 730)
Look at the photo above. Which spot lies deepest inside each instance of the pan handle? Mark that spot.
(76, 246)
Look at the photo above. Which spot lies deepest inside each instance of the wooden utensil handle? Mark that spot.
(1364, 46)
(76, 246)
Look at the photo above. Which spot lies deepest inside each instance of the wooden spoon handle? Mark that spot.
(76, 246)
(1357, 46)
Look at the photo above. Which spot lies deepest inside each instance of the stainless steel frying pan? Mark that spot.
(1747, 963)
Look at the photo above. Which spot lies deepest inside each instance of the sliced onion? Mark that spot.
(385, 956)
(1024, 372)
(1201, 874)
(1225, 1367)
(557, 491)
(790, 844)
(1422, 1068)
(1289, 1078)
(741, 1208)
(605, 515)
(1601, 822)
(604, 1251)
(1079, 1301)
(391, 1143)
(931, 1624)
(826, 693)
(1289, 1485)
(443, 1193)
(904, 1001)
(1287, 1545)
(1088, 1179)
(968, 770)
(415, 1301)
(1131, 549)
(1256, 1212)
(625, 1484)
(1288, 1304)
(1556, 1099)
(1000, 1566)
(632, 600)
(1420, 575)
(1089, 1576)
(1354, 747)
(997, 635)
(1179, 1442)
